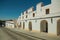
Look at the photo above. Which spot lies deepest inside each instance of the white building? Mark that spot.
(9, 24)
(43, 19)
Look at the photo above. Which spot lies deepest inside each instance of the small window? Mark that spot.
(47, 11)
(33, 14)
(26, 16)
(42, 5)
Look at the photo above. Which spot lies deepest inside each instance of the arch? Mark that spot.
(23, 25)
(30, 26)
(58, 27)
(44, 26)
(20, 24)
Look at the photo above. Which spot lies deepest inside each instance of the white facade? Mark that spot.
(9, 24)
(43, 19)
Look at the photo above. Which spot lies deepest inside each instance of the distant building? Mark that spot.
(15, 23)
(2, 23)
(9, 24)
(43, 19)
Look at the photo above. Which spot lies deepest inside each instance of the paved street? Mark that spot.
(18, 34)
(6, 34)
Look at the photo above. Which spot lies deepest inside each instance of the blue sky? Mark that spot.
(11, 9)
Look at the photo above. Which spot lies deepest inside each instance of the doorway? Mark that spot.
(30, 26)
(58, 27)
(44, 26)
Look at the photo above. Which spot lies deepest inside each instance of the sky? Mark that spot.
(11, 9)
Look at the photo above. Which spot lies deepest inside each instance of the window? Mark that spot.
(33, 14)
(42, 5)
(26, 16)
(47, 11)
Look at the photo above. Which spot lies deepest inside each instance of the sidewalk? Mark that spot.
(37, 34)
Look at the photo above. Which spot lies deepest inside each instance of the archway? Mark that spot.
(30, 26)
(20, 24)
(58, 27)
(23, 25)
(44, 26)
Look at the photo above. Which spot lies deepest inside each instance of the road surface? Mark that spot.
(6, 34)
